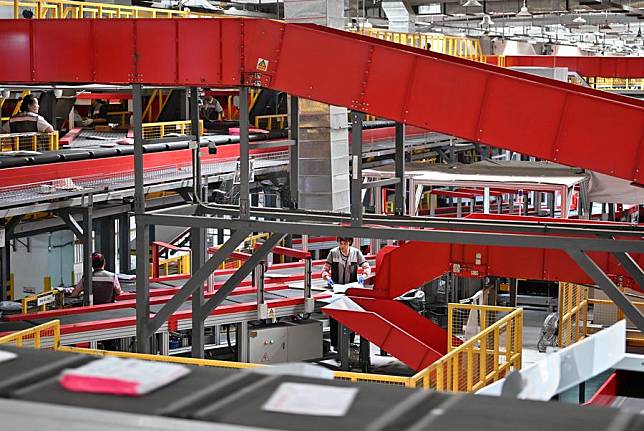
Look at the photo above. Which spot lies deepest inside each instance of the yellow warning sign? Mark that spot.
(262, 64)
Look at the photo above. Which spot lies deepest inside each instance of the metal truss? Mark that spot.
(575, 239)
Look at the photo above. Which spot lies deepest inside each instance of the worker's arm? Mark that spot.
(43, 125)
(327, 268)
(362, 262)
(117, 286)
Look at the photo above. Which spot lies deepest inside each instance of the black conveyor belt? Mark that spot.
(216, 395)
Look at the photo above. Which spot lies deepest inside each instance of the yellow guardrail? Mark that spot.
(160, 130)
(573, 312)
(617, 83)
(605, 313)
(174, 265)
(41, 336)
(450, 45)
(29, 141)
(42, 299)
(66, 9)
(485, 358)
(279, 119)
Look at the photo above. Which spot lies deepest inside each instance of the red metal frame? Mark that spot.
(412, 264)
(474, 101)
(606, 394)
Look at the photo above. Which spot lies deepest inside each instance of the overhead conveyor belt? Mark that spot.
(482, 103)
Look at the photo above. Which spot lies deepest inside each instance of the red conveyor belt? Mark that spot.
(482, 103)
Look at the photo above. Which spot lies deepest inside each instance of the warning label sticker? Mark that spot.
(262, 64)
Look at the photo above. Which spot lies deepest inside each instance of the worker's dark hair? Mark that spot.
(26, 102)
(98, 261)
(346, 238)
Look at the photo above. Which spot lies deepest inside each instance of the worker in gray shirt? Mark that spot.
(341, 267)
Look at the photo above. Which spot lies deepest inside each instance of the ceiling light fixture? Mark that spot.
(486, 21)
(524, 9)
(472, 3)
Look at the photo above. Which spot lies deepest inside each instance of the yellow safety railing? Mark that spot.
(66, 9)
(615, 84)
(174, 265)
(159, 130)
(484, 358)
(280, 120)
(29, 141)
(605, 313)
(46, 335)
(43, 299)
(573, 312)
(450, 45)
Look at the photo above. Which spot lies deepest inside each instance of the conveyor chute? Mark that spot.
(475, 101)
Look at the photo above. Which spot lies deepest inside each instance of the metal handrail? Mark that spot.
(36, 334)
(65, 9)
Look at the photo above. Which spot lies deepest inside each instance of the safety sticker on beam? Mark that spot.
(262, 64)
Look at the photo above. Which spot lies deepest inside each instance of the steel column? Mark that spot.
(294, 135)
(124, 243)
(197, 260)
(357, 119)
(609, 288)
(238, 276)
(244, 174)
(5, 255)
(143, 337)
(107, 236)
(399, 161)
(194, 145)
(88, 243)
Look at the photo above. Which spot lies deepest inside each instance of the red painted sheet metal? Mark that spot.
(397, 329)
(482, 103)
(415, 263)
(589, 66)
(606, 394)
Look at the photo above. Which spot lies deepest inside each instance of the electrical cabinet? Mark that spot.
(285, 342)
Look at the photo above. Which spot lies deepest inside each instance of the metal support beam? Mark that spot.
(71, 223)
(194, 145)
(450, 234)
(197, 281)
(5, 260)
(143, 337)
(244, 150)
(240, 274)
(609, 288)
(631, 267)
(357, 119)
(107, 238)
(294, 135)
(381, 183)
(124, 243)
(88, 243)
(197, 260)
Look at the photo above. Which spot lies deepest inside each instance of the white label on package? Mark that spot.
(308, 399)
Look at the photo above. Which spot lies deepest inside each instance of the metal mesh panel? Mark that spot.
(572, 313)
(485, 344)
(160, 130)
(40, 142)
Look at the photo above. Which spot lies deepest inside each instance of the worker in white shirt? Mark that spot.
(28, 120)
